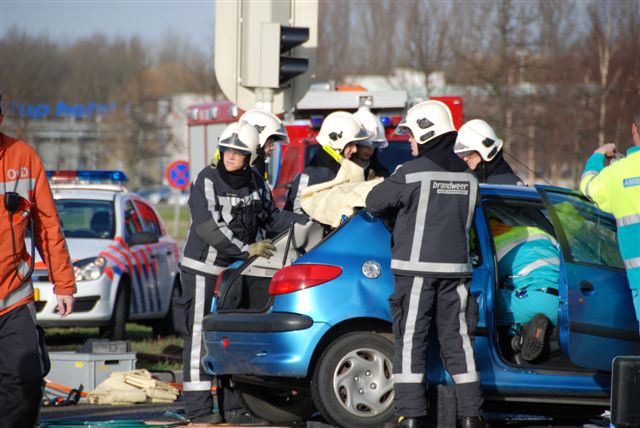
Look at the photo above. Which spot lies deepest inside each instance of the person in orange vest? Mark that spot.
(27, 204)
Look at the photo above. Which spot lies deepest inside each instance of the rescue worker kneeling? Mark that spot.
(529, 271)
(431, 200)
(231, 210)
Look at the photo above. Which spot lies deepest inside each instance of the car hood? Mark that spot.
(79, 248)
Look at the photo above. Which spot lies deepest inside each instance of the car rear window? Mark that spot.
(86, 218)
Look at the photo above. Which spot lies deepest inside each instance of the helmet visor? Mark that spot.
(234, 142)
(402, 128)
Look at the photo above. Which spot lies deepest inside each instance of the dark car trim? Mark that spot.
(596, 330)
(273, 322)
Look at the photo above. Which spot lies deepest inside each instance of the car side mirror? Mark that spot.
(142, 238)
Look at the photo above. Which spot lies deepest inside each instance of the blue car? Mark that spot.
(309, 329)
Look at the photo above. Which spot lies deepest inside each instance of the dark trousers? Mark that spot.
(22, 368)
(195, 301)
(415, 303)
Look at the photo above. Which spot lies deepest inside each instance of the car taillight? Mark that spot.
(217, 286)
(298, 277)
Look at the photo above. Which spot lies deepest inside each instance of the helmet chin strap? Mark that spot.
(333, 153)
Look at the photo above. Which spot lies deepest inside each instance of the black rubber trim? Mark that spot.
(257, 323)
(597, 330)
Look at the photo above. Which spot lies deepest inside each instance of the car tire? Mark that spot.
(167, 325)
(278, 406)
(352, 383)
(115, 329)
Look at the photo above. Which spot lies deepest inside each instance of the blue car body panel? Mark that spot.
(352, 296)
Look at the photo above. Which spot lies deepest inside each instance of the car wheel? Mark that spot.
(277, 406)
(115, 329)
(352, 383)
(166, 326)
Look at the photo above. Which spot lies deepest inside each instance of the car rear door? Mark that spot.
(596, 314)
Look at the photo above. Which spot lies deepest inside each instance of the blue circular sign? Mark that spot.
(178, 174)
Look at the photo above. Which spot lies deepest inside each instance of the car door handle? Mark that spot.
(168, 253)
(586, 287)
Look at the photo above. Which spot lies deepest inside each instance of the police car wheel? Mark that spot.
(278, 406)
(352, 383)
(115, 329)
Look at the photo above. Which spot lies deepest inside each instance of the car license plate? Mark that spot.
(36, 294)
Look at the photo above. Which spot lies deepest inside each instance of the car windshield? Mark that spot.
(82, 218)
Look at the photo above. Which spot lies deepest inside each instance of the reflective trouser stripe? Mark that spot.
(628, 220)
(201, 267)
(427, 267)
(22, 292)
(537, 264)
(196, 386)
(195, 383)
(471, 375)
(409, 331)
(632, 263)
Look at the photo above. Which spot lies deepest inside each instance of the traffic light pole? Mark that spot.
(264, 99)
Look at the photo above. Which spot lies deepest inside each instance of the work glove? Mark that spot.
(262, 248)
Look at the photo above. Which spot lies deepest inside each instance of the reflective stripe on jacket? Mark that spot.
(21, 171)
(528, 257)
(616, 190)
(433, 211)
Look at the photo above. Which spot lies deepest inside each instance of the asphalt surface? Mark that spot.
(157, 413)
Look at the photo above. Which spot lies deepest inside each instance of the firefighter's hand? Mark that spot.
(262, 248)
(65, 304)
(609, 150)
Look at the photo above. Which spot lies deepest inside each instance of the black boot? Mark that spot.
(472, 422)
(533, 337)
(403, 422)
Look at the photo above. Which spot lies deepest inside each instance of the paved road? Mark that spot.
(156, 413)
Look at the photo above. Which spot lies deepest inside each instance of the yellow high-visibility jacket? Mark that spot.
(616, 190)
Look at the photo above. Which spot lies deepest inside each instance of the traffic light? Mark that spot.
(265, 51)
(290, 67)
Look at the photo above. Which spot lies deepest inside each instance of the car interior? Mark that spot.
(521, 213)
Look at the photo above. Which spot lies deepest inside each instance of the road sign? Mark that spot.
(250, 67)
(178, 174)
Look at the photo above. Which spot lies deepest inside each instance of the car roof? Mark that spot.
(509, 190)
(75, 193)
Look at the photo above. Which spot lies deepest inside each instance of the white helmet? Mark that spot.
(240, 136)
(339, 129)
(477, 136)
(426, 121)
(373, 125)
(267, 124)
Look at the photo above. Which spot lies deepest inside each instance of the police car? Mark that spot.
(125, 263)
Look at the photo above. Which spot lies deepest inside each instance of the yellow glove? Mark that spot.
(262, 248)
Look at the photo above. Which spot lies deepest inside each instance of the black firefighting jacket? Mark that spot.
(433, 212)
(225, 220)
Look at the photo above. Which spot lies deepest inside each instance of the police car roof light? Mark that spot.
(316, 121)
(104, 176)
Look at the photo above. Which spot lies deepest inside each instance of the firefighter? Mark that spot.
(367, 152)
(431, 201)
(27, 204)
(338, 136)
(271, 131)
(478, 145)
(231, 210)
(616, 190)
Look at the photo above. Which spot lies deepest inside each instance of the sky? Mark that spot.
(69, 20)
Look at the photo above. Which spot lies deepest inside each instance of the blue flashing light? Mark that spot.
(386, 121)
(99, 176)
(316, 121)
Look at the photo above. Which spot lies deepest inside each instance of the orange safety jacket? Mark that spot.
(21, 171)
